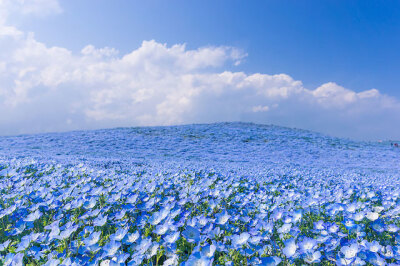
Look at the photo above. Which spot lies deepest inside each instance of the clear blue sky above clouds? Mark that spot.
(354, 43)
(329, 66)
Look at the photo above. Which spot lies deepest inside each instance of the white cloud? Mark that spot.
(51, 89)
(260, 108)
(12, 8)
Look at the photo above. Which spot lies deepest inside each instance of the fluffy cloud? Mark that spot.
(14, 8)
(52, 89)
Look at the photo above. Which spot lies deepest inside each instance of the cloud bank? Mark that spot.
(53, 89)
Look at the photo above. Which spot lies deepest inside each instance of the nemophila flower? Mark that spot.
(333, 228)
(208, 250)
(9, 258)
(121, 259)
(387, 252)
(276, 215)
(6, 211)
(255, 240)
(131, 238)
(149, 203)
(161, 229)
(253, 261)
(90, 203)
(67, 232)
(215, 232)
(349, 252)
(392, 228)
(358, 216)
(373, 246)
(191, 234)
(285, 228)
(270, 261)
(131, 199)
(297, 215)
(153, 249)
(349, 224)
(4, 245)
(137, 259)
(172, 237)
(378, 226)
(143, 246)
(15, 259)
(119, 234)
(54, 233)
(191, 222)
(378, 209)
(67, 206)
(352, 207)
(77, 203)
(202, 221)
(157, 217)
(172, 259)
(307, 245)
(196, 259)
(100, 220)
(287, 220)
(208, 228)
(111, 248)
(372, 216)
(312, 257)
(375, 259)
(92, 239)
(87, 230)
(35, 252)
(174, 212)
(222, 218)
(24, 244)
(53, 225)
(247, 252)
(120, 215)
(397, 240)
(268, 227)
(290, 248)
(52, 262)
(109, 263)
(33, 216)
(141, 221)
(240, 240)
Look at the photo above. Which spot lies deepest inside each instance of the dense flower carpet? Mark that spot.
(218, 194)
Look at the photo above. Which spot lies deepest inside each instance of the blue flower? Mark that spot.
(119, 234)
(222, 217)
(33, 216)
(100, 220)
(131, 238)
(349, 252)
(111, 248)
(4, 245)
(191, 234)
(307, 245)
(271, 261)
(143, 246)
(290, 248)
(312, 257)
(197, 259)
(92, 238)
(240, 240)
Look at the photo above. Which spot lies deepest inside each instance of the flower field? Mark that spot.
(219, 194)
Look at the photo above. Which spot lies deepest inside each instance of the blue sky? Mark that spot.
(328, 66)
(354, 43)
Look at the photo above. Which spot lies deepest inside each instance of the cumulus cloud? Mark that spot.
(52, 89)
